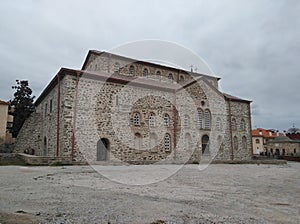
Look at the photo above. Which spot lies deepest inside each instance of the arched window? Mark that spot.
(170, 77)
(186, 121)
(136, 119)
(152, 120)
(218, 124)
(166, 120)
(167, 142)
(206, 119)
(117, 67)
(244, 142)
(153, 140)
(257, 141)
(181, 78)
(205, 144)
(233, 124)
(145, 72)
(131, 70)
(199, 119)
(137, 141)
(235, 143)
(158, 75)
(242, 125)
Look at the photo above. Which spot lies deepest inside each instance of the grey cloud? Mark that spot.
(254, 46)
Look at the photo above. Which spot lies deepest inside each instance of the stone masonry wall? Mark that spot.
(106, 62)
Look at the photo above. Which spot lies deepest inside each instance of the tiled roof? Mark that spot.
(266, 133)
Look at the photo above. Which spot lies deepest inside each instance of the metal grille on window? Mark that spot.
(116, 67)
(131, 70)
(233, 124)
(167, 142)
(136, 119)
(186, 121)
(166, 120)
(199, 120)
(207, 119)
(218, 124)
(152, 120)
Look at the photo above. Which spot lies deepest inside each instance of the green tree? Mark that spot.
(22, 104)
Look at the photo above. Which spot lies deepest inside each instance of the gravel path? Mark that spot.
(221, 193)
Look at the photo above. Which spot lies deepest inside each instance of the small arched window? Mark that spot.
(233, 124)
(218, 124)
(199, 118)
(244, 142)
(158, 75)
(152, 120)
(206, 119)
(170, 77)
(145, 72)
(167, 142)
(257, 141)
(166, 120)
(243, 125)
(131, 70)
(181, 78)
(117, 67)
(186, 121)
(235, 143)
(136, 119)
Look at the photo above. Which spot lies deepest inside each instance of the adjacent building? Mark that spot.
(270, 142)
(6, 121)
(261, 137)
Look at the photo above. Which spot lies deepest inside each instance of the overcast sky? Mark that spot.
(254, 46)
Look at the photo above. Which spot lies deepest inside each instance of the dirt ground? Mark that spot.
(221, 193)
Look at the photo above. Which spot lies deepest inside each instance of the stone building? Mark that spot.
(261, 137)
(117, 108)
(283, 146)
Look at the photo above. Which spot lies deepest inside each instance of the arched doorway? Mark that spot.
(103, 147)
(205, 144)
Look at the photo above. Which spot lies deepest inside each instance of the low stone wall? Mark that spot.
(10, 159)
(25, 159)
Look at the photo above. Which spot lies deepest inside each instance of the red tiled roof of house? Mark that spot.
(266, 133)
